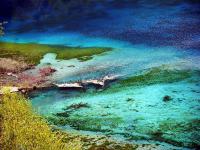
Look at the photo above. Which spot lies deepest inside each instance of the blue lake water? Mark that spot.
(143, 35)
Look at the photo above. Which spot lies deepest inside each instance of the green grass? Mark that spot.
(33, 53)
(21, 128)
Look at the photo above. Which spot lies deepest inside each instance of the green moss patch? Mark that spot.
(33, 53)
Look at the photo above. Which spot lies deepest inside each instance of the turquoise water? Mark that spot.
(126, 112)
(131, 113)
(155, 51)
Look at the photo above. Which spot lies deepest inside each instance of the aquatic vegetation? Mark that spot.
(69, 109)
(22, 128)
(157, 75)
(33, 53)
(177, 133)
(179, 130)
(87, 123)
(77, 106)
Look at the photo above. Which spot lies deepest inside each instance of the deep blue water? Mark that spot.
(153, 23)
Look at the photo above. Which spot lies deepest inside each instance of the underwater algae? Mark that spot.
(155, 75)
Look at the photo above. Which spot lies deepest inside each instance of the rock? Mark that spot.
(71, 66)
(129, 99)
(23, 91)
(167, 98)
(11, 74)
(69, 85)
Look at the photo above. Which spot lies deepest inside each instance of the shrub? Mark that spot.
(23, 129)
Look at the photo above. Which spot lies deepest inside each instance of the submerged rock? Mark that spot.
(167, 98)
(71, 66)
(77, 106)
(63, 114)
(130, 99)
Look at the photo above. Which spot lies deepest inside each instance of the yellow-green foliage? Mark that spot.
(33, 53)
(22, 129)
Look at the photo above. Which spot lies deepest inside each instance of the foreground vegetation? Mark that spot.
(33, 53)
(21, 128)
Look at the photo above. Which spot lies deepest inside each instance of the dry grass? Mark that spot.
(10, 65)
(22, 129)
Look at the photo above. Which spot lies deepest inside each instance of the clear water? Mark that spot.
(143, 36)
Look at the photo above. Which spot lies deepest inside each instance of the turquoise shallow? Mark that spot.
(156, 53)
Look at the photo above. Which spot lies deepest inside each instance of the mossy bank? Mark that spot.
(33, 53)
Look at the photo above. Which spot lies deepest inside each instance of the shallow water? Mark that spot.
(150, 35)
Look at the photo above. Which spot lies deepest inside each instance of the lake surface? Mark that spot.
(156, 53)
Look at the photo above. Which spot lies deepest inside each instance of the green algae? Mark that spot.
(77, 106)
(178, 133)
(87, 123)
(33, 53)
(157, 75)
(70, 109)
